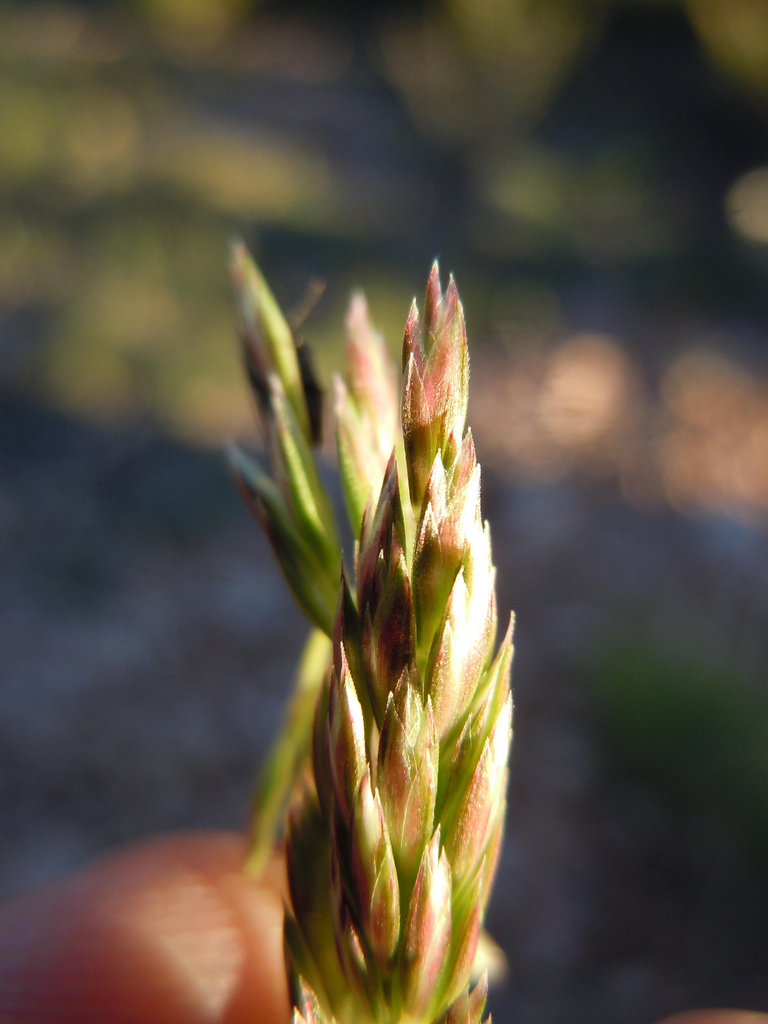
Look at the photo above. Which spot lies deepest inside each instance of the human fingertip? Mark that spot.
(716, 1017)
(170, 931)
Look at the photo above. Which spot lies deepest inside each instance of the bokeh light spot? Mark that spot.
(746, 206)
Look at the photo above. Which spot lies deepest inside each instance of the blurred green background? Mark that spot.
(595, 173)
(537, 146)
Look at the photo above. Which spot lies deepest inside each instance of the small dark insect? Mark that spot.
(312, 391)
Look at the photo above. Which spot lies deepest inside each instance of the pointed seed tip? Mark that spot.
(510, 629)
(357, 307)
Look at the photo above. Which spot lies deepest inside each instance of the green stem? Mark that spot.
(288, 756)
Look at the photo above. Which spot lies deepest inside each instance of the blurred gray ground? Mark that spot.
(147, 644)
(608, 249)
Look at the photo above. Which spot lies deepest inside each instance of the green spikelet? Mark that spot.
(398, 801)
(286, 495)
